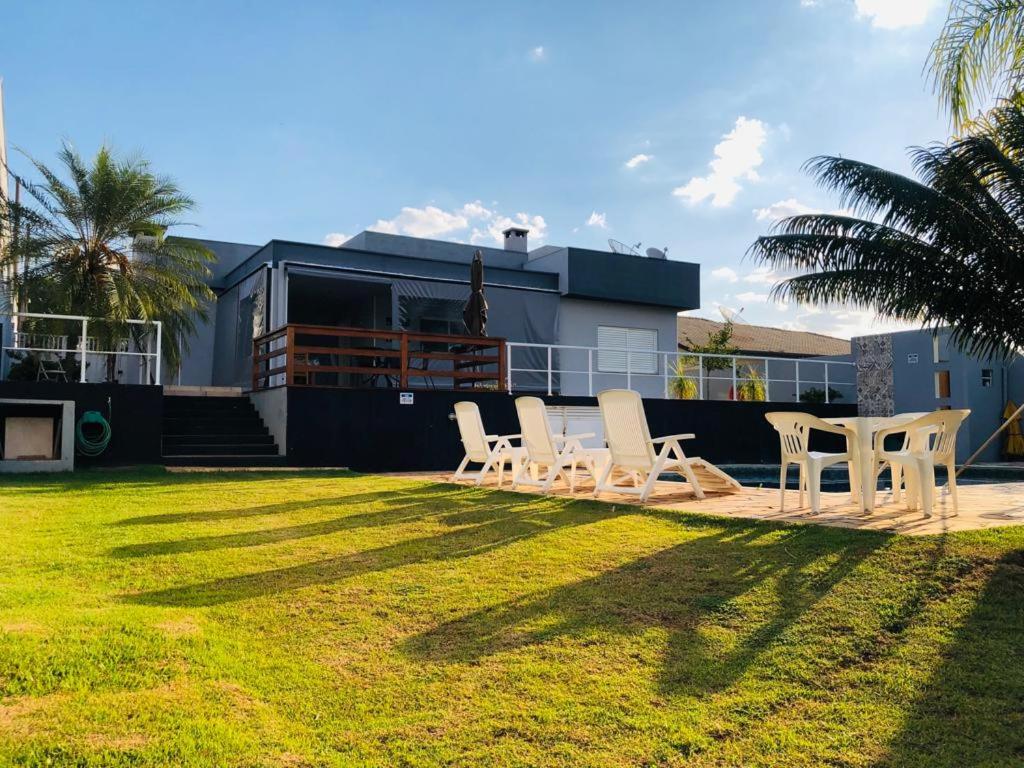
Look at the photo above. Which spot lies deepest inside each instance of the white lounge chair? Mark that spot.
(930, 440)
(633, 452)
(493, 452)
(794, 430)
(556, 455)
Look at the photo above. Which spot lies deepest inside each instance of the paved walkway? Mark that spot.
(981, 506)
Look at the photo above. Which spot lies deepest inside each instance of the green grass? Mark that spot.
(345, 620)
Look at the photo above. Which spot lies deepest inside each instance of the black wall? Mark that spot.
(369, 430)
(135, 413)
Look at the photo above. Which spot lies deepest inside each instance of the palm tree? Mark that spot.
(979, 54)
(946, 248)
(92, 241)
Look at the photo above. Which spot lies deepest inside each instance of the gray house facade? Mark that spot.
(547, 296)
(914, 371)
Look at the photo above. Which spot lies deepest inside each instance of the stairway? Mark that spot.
(208, 431)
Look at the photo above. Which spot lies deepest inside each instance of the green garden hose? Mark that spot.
(96, 444)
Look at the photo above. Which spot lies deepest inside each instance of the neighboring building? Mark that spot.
(550, 295)
(762, 340)
(796, 366)
(921, 370)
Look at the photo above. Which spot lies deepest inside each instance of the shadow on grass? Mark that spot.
(971, 712)
(401, 508)
(144, 477)
(487, 520)
(680, 589)
(214, 515)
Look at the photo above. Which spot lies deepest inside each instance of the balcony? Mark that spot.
(328, 356)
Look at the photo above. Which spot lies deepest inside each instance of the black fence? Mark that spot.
(373, 431)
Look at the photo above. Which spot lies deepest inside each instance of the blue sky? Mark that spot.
(675, 124)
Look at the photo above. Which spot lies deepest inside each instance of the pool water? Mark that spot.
(836, 479)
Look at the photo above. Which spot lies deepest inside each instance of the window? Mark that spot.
(940, 349)
(986, 377)
(612, 342)
(942, 384)
(443, 327)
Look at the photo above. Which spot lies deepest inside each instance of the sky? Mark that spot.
(671, 124)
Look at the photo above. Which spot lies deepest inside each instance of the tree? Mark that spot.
(683, 387)
(979, 54)
(91, 240)
(946, 248)
(719, 343)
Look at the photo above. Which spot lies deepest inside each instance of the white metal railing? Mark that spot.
(150, 357)
(574, 370)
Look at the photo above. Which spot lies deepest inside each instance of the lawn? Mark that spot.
(353, 620)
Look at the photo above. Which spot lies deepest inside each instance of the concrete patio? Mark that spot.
(982, 506)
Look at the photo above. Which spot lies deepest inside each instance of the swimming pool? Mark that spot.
(837, 480)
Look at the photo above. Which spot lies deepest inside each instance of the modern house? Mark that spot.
(391, 284)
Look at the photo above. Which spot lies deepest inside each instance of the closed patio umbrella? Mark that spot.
(475, 312)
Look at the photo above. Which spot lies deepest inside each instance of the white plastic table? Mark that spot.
(865, 428)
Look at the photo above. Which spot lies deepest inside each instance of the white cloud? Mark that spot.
(475, 210)
(762, 276)
(783, 209)
(538, 53)
(636, 160)
(725, 273)
(847, 323)
(894, 14)
(497, 223)
(737, 157)
(335, 239)
(750, 297)
(597, 220)
(483, 222)
(422, 222)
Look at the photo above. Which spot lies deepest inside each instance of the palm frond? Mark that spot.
(945, 248)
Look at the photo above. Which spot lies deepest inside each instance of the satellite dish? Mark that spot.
(732, 316)
(657, 253)
(625, 250)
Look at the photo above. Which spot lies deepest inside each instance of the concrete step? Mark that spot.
(226, 461)
(177, 390)
(233, 438)
(221, 449)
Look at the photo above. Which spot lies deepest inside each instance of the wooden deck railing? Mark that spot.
(328, 356)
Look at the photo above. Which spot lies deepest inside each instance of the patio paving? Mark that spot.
(986, 505)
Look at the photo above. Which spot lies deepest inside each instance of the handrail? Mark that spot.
(544, 368)
(151, 358)
(285, 356)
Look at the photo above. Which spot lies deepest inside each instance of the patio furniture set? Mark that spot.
(928, 440)
(633, 463)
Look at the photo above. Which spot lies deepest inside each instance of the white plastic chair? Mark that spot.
(556, 455)
(492, 451)
(897, 471)
(633, 451)
(930, 440)
(794, 430)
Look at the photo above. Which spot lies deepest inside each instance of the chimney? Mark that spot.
(515, 239)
